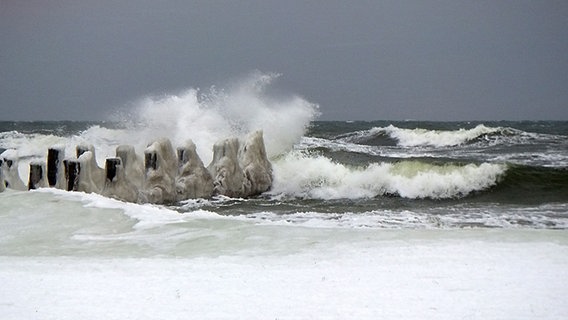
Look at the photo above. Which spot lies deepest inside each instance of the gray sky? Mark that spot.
(359, 60)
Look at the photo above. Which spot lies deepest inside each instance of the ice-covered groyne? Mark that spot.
(240, 168)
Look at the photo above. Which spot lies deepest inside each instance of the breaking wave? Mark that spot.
(207, 117)
(318, 177)
(392, 135)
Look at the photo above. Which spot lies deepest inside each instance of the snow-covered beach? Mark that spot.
(369, 274)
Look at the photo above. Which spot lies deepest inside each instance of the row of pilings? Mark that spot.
(163, 175)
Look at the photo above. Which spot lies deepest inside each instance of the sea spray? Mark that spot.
(203, 116)
(207, 117)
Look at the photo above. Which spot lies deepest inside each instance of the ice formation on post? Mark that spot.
(194, 180)
(2, 181)
(228, 177)
(161, 168)
(38, 176)
(56, 168)
(72, 169)
(82, 174)
(11, 174)
(96, 173)
(116, 184)
(132, 165)
(254, 162)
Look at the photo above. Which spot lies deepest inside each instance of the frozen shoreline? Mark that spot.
(492, 275)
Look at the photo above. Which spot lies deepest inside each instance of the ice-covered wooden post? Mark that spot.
(56, 167)
(194, 180)
(116, 184)
(10, 170)
(161, 169)
(37, 176)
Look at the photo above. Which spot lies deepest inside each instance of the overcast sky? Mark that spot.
(359, 60)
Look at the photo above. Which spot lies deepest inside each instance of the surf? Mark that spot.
(303, 175)
(483, 134)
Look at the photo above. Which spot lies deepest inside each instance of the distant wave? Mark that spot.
(392, 135)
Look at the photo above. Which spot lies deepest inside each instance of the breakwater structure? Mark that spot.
(239, 169)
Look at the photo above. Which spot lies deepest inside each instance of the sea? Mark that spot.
(365, 219)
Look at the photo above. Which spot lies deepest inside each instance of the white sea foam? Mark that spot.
(337, 145)
(449, 217)
(312, 176)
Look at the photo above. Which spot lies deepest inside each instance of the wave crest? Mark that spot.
(420, 137)
(318, 177)
(437, 138)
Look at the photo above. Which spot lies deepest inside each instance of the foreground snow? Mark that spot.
(426, 277)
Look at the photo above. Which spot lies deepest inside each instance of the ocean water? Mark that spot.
(377, 219)
(378, 175)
